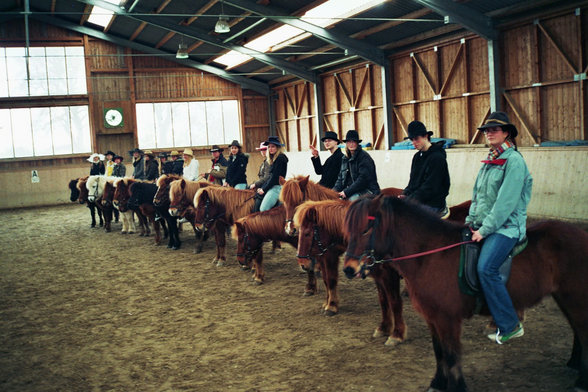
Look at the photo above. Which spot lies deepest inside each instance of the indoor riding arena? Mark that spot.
(113, 278)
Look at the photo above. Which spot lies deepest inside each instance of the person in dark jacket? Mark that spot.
(97, 167)
(178, 163)
(332, 166)
(167, 167)
(151, 166)
(264, 169)
(119, 169)
(278, 161)
(429, 177)
(358, 170)
(138, 164)
(218, 170)
(236, 170)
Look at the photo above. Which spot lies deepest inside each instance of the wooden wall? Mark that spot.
(543, 66)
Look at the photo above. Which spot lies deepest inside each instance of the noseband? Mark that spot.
(368, 254)
(207, 219)
(316, 238)
(249, 253)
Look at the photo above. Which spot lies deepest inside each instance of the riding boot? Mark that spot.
(258, 201)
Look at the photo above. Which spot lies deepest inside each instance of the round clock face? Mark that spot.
(113, 117)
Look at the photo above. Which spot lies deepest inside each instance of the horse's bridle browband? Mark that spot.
(249, 253)
(207, 219)
(316, 238)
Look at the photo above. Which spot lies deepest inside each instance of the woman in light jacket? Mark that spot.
(190, 165)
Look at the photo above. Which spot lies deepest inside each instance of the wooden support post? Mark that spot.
(386, 72)
(494, 75)
(319, 109)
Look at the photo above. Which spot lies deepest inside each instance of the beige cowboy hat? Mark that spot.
(188, 151)
(174, 153)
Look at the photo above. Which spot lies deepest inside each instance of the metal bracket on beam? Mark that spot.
(579, 77)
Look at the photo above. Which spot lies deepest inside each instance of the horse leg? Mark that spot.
(142, 223)
(156, 229)
(221, 240)
(310, 288)
(330, 278)
(92, 214)
(107, 212)
(116, 215)
(259, 273)
(395, 303)
(386, 324)
(446, 331)
(131, 220)
(276, 245)
(199, 236)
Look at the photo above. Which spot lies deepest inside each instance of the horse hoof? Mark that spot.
(391, 341)
(330, 313)
(258, 282)
(378, 333)
(169, 245)
(123, 232)
(221, 263)
(308, 293)
(131, 232)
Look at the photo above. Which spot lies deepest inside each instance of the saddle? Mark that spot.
(468, 266)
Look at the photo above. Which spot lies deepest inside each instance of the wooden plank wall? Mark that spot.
(445, 85)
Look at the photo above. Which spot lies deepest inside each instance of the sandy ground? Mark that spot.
(86, 310)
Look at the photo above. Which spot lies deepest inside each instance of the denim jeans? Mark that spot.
(241, 186)
(494, 252)
(270, 198)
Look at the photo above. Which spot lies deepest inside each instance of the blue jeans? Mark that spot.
(270, 198)
(241, 186)
(494, 252)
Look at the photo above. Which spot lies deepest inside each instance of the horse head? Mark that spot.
(206, 211)
(94, 188)
(310, 243)
(74, 191)
(247, 245)
(365, 235)
(108, 195)
(83, 191)
(292, 195)
(177, 197)
(161, 198)
(122, 194)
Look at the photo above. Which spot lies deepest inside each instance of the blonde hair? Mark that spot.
(268, 157)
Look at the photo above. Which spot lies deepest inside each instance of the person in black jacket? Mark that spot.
(119, 169)
(278, 161)
(429, 176)
(151, 166)
(178, 163)
(97, 167)
(236, 170)
(167, 167)
(332, 166)
(358, 170)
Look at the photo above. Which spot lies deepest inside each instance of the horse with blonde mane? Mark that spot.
(217, 208)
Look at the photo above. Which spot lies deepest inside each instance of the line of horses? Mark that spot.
(369, 233)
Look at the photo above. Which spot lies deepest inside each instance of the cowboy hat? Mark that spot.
(174, 153)
(118, 157)
(216, 148)
(500, 119)
(188, 151)
(136, 150)
(273, 140)
(352, 136)
(163, 154)
(91, 158)
(330, 135)
(109, 153)
(261, 147)
(416, 129)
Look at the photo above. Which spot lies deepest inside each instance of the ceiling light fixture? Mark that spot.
(222, 25)
(182, 52)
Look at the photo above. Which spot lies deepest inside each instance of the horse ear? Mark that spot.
(375, 204)
(282, 180)
(304, 182)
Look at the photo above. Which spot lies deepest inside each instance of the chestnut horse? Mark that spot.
(181, 199)
(554, 262)
(255, 229)
(321, 230)
(79, 193)
(121, 197)
(128, 221)
(218, 208)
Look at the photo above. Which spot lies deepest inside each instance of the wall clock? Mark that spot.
(113, 118)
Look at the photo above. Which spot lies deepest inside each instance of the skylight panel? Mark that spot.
(324, 15)
(101, 16)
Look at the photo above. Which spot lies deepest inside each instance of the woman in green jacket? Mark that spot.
(498, 215)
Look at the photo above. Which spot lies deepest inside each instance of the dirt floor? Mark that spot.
(86, 310)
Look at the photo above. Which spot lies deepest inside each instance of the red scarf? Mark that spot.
(495, 153)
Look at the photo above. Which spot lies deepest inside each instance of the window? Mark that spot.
(51, 71)
(57, 130)
(182, 124)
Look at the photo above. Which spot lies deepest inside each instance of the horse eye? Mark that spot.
(366, 230)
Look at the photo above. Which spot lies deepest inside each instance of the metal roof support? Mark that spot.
(462, 15)
(494, 76)
(360, 48)
(386, 74)
(201, 35)
(244, 82)
(319, 111)
(271, 107)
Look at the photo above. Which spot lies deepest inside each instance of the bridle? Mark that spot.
(249, 253)
(207, 219)
(163, 199)
(316, 239)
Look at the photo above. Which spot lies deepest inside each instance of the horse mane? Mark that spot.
(237, 202)
(264, 222)
(101, 180)
(330, 214)
(81, 180)
(127, 181)
(190, 189)
(292, 194)
(165, 179)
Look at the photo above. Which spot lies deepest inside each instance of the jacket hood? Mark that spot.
(438, 146)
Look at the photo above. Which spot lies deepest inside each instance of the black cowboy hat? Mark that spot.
(273, 140)
(500, 119)
(330, 135)
(118, 157)
(109, 153)
(136, 150)
(216, 148)
(417, 128)
(235, 143)
(352, 136)
(163, 154)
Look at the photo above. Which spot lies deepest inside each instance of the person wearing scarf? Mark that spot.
(218, 170)
(498, 217)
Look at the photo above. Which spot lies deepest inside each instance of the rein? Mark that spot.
(249, 253)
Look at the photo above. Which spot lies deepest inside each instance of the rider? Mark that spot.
(429, 176)
(218, 170)
(236, 170)
(278, 161)
(498, 216)
(358, 170)
(332, 166)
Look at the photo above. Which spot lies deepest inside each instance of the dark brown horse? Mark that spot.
(255, 229)
(321, 233)
(128, 221)
(122, 195)
(161, 202)
(79, 193)
(217, 209)
(554, 262)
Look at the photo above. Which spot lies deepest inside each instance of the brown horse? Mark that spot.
(162, 203)
(321, 233)
(255, 229)
(79, 192)
(128, 222)
(217, 208)
(554, 262)
(122, 195)
(299, 189)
